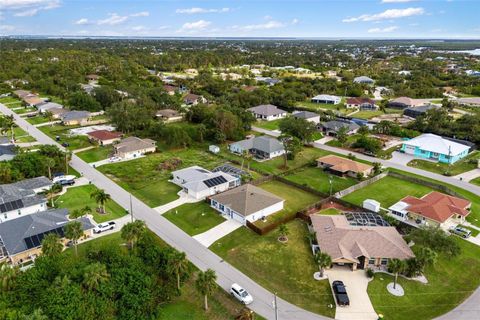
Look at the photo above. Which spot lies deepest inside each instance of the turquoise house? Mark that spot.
(432, 147)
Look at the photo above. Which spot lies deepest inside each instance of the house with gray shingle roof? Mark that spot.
(331, 128)
(134, 147)
(246, 203)
(267, 112)
(307, 115)
(262, 147)
(74, 117)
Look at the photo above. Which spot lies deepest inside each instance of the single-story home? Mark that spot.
(33, 101)
(57, 112)
(433, 209)
(307, 115)
(171, 90)
(326, 99)
(262, 147)
(194, 99)
(471, 102)
(402, 103)
(363, 80)
(331, 128)
(73, 118)
(42, 108)
(92, 77)
(414, 112)
(246, 203)
(22, 94)
(133, 147)
(104, 137)
(343, 166)
(361, 247)
(169, 115)
(267, 112)
(268, 80)
(361, 103)
(433, 147)
(200, 183)
(7, 152)
(21, 238)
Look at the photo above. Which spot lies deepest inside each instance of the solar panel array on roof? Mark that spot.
(13, 205)
(365, 219)
(212, 182)
(36, 240)
(234, 171)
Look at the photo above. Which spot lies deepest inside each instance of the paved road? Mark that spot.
(196, 252)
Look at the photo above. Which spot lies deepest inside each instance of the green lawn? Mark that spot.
(450, 281)
(194, 218)
(24, 110)
(350, 140)
(37, 119)
(8, 100)
(285, 268)
(321, 106)
(75, 142)
(268, 125)
(468, 163)
(79, 197)
(143, 177)
(476, 181)
(366, 114)
(96, 154)
(387, 191)
(14, 104)
(318, 179)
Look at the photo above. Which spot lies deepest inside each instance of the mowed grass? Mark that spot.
(268, 125)
(96, 154)
(4, 100)
(37, 119)
(79, 197)
(468, 163)
(194, 218)
(284, 268)
(145, 179)
(322, 106)
(318, 179)
(387, 191)
(476, 181)
(63, 132)
(366, 114)
(450, 281)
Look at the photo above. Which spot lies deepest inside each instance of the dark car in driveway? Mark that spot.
(340, 293)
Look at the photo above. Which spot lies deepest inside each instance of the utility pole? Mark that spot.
(131, 208)
(275, 303)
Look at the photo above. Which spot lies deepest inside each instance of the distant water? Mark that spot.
(475, 52)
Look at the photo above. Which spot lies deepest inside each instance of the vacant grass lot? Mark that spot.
(365, 114)
(15, 104)
(285, 268)
(8, 100)
(79, 197)
(321, 106)
(96, 154)
(268, 125)
(450, 281)
(387, 191)
(144, 178)
(24, 110)
(466, 164)
(63, 132)
(37, 119)
(318, 179)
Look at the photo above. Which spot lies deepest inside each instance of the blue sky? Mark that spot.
(272, 18)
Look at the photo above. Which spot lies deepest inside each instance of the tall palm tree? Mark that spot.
(74, 231)
(7, 274)
(50, 163)
(132, 231)
(396, 266)
(101, 197)
(49, 116)
(426, 256)
(94, 275)
(206, 284)
(9, 123)
(51, 245)
(178, 265)
(323, 260)
(51, 195)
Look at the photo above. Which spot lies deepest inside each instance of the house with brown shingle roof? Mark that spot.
(169, 115)
(361, 247)
(343, 166)
(104, 137)
(133, 147)
(361, 104)
(433, 209)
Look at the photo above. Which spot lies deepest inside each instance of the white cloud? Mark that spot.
(6, 28)
(192, 27)
(139, 28)
(388, 14)
(382, 30)
(113, 20)
(272, 24)
(28, 8)
(397, 1)
(27, 13)
(140, 14)
(197, 10)
(295, 21)
(82, 21)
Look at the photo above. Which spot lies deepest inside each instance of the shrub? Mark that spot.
(370, 273)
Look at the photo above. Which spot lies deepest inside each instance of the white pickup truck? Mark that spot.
(67, 180)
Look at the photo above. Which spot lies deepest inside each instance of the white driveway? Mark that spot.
(356, 283)
(324, 140)
(469, 175)
(401, 158)
(209, 237)
(183, 198)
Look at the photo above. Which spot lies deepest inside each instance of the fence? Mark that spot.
(360, 185)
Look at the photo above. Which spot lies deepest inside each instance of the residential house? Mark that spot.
(23, 94)
(331, 128)
(414, 112)
(267, 80)
(246, 203)
(169, 115)
(361, 103)
(343, 166)
(92, 77)
(193, 99)
(42, 108)
(104, 137)
(326, 99)
(33, 101)
(267, 112)
(433, 147)
(262, 147)
(363, 80)
(402, 103)
(21, 239)
(73, 118)
(57, 113)
(171, 90)
(307, 115)
(7, 152)
(200, 183)
(133, 147)
(434, 209)
(470, 102)
(360, 247)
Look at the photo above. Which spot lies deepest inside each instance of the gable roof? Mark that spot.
(363, 79)
(104, 135)
(267, 110)
(341, 240)
(358, 100)
(305, 115)
(433, 143)
(33, 100)
(49, 105)
(22, 194)
(167, 113)
(197, 178)
(344, 165)
(247, 199)
(75, 115)
(336, 125)
(262, 143)
(437, 206)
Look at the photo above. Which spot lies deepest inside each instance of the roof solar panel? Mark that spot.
(212, 182)
(3, 208)
(36, 241)
(28, 243)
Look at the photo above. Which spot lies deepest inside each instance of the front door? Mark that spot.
(361, 264)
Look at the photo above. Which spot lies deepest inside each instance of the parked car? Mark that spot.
(462, 232)
(105, 226)
(65, 145)
(114, 159)
(340, 293)
(241, 294)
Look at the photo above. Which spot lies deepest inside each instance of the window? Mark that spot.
(221, 207)
(384, 261)
(371, 261)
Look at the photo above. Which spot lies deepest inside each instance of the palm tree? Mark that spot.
(426, 256)
(74, 231)
(7, 274)
(78, 213)
(283, 230)
(323, 260)
(51, 194)
(311, 237)
(9, 123)
(94, 275)
(132, 231)
(178, 265)
(101, 197)
(396, 266)
(50, 163)
(206, 284)
(245, 314)
(51, 245)
(49, 116)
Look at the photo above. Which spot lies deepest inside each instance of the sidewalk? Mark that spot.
(469, 175)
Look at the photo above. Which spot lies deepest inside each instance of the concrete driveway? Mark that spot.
(401, 158)
(209, 237)
(356, 283)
